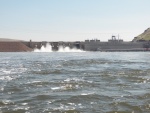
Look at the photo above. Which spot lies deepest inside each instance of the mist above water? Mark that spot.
(48, 48)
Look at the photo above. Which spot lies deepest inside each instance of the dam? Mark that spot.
(112, 44)
(116, 45)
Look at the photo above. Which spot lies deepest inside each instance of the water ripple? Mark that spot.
(88, 82)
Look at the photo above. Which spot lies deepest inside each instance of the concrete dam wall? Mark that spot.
(95, 45)
(87, 45)
(55, 45)
(111, 45)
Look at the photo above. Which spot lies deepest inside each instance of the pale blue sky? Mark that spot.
(73, 20)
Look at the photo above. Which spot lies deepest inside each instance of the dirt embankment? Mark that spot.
(13, 47)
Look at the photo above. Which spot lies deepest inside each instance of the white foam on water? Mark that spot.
(62, 87)
(77, 80)
(21, 108)
(24, 104)
(88, 93)
(2, 89)
(7, 102)
(67, 49)
(11, 74)
(66, 87)
(56, 88)
(7, 72)
(36, 81)
(6, 78)
(33, 82)
(71, 103)
(12, 71)
(48, 48)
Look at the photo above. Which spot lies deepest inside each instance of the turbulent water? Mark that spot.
(48, 48)
(77, 82)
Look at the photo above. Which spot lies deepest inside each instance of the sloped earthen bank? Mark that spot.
(14, 47)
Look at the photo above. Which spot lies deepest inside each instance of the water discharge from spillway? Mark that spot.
(48, 48)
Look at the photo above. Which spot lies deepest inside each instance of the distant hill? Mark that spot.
(145, 36)
(9, 40)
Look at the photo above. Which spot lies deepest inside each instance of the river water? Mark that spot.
(75, 82)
